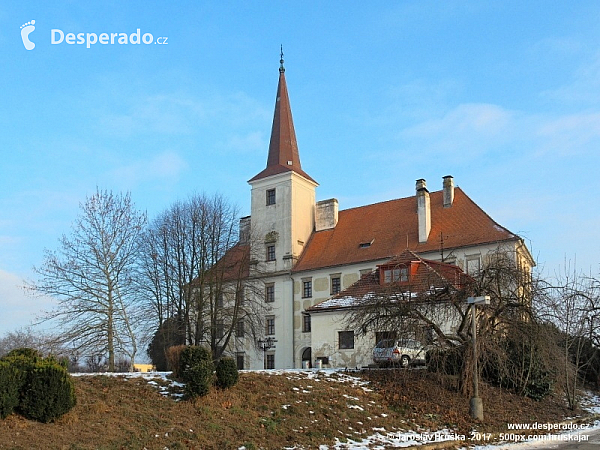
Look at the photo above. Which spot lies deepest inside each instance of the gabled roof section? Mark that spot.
(426, 278)
(388, 228)
(232, 267)
(283, 148)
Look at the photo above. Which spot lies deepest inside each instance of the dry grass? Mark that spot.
(267, 411)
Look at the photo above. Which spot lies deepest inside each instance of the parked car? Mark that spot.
(399, 352)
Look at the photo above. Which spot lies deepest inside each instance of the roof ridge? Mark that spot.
(394, 200)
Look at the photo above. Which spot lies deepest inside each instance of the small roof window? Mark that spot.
(366, 244)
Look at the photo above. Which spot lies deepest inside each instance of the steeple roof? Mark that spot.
(283, 148)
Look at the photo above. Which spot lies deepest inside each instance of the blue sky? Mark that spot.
(504, 96)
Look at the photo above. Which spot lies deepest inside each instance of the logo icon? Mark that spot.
(26, 30)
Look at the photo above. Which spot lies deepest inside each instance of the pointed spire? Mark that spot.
(283, 148)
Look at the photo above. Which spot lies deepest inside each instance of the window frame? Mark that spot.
(240, 330)
(220, 329)
(240, 357)
(270, 326)
(271, 197)
(270, 361)
(335, 286)
(270, 293)
(306, 323)
(307, 288)
(271, 256)
(343, 340)
(470, 260)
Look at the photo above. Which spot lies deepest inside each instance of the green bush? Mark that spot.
(29, 353)
(11, 381)
(191, 356)
(38, 388)
(227, 373)
(48, 392)
(198, 379)
(196, 370)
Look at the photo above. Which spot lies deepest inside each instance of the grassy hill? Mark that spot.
(270, 410)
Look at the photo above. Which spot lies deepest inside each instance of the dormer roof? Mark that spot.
(427, 279)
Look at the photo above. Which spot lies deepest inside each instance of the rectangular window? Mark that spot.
(404, 274)
(270, 197)
(270, 253)
(270, 361)
(306, 323)
(346, 339)
(269, 293)
(381, 335)
(270, 326)
(473, 265)
(220, 300)
(336, 284)
(239, 329)
(306, 288)
(239, 359)
(239, 297)
(395, 274)
(220, 331)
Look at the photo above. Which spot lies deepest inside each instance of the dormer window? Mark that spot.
(270, 197)
(395, 274)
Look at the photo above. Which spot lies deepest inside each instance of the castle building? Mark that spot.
(308, 251)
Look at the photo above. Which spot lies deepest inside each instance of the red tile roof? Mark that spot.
(233, 266)
(391, 227)
(426, 278)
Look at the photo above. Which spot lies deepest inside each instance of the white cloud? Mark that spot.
(252, 142)
(571, 134)
(166, 166)
(19, 309)
(463, 132)
(583, 88)
(177, 114)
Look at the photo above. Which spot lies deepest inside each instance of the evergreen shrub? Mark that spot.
(28, 353)
(196, 370)
(36, 387)
(198, 379)
(11, 381)
(227, 373)
(48, 392)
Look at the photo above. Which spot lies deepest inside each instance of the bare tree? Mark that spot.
(571, 302)
(92, 277)
(197, 277)
(435, 308)
(45, 343)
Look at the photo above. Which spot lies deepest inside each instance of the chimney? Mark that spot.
(245, 230)
(423, 210)
(448, 191)
(326, 214)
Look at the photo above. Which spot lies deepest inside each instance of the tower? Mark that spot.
(283, 195)
(282, 221)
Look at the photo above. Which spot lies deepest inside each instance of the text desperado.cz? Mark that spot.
(58, 36)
